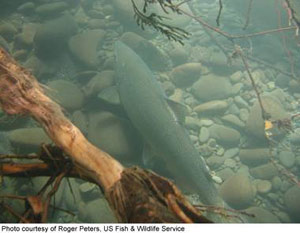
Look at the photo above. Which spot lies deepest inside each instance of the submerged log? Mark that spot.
(134, 194)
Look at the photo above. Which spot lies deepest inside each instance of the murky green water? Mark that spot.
(189, 112)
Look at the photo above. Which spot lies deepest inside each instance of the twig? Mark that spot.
(219, 13)
(292, 177)
(30, 156)
(156, 21)
(259, 61)
(291, 14)
(71, 189)
(12, 197)
(12, 212)
(248, 14)
(35, 169)
(230, 36)
(238, 51)
(52, 192)
(48, 183)
(284, 38)
(212, 37)
(223, 211)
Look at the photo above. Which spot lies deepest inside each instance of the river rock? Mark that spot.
(96, 211)
(84, 47)
(72, 197)
(294, 85)
(215, 161)
(150, 54)
(233, 121)
(4, 44)
(36, 183)
(282, 80)
(99, 82)
(213, 107)
(28, 137)
(97, 23)
(211, 87)
(243, 169)
(263, 186)
(219, 63)
(66, 93)
(279, 94)
(80, 120)
(244, 114)
(50, 9)
(110, 95)
(26, 8)
(285, 185)
(224, 135)
(4, 143)
(237, 191)
(264, 172)
(232, 152)
(7, 30)
(51, 37)
(186, 74)
(295, 136)
(255, 123)
(124, 12)
(25, 38)
(168, 87)
(297, 161)
(261, 215)
(240, 102)
(225, 173)
(192, 123)
(236, 77)
(287, 158)
(292, 202)
(254, 157)
(89, 191)
(114, 135)
(204, 134)
(39, 67)
(283, 217)
(230, 163)
(178, 55)
(276, 183)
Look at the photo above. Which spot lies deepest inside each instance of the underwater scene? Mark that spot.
(200, 96)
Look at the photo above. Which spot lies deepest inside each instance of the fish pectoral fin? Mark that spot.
(177, 109)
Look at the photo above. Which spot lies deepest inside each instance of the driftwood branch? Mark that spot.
(135, 195)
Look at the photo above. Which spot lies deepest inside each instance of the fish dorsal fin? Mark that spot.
(178, 110)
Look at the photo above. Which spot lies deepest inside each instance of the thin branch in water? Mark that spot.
(219, 13)
(30, 156)
(13, 197)
(156, 21)
(230, 36)
(71, 190)
(238, 52)
(53, 191)
(224, 211)
(248, 14)
(261, 62)
(12, 212)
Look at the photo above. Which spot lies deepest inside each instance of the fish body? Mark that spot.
(149, 111)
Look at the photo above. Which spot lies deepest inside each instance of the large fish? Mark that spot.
(149, 110)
